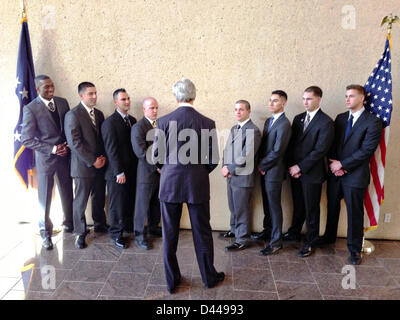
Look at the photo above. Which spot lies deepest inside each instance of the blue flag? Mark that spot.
(26, 92)
(379, 88)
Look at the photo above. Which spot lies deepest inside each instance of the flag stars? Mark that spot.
(387, 110)
(383, 99)
(379, 88)
(390, 101)
(386, 90)
(375, 96)
(383, 79)
(24, 93)
(380, 107)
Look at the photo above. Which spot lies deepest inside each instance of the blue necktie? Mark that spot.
(348, 127)
(271, 120)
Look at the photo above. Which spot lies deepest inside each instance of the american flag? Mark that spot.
(379, 102)
(26, 92)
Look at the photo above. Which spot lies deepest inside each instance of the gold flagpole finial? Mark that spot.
(390, 20)
(23, 11)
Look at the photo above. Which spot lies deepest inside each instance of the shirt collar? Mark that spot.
(185, 104)
(45, 101)
(151, 121)
(121, 114)
(86, 107)
(243, 123)
(313, 113)
(356, 115)
(276, 116)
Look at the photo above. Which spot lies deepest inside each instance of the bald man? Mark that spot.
(147, 204)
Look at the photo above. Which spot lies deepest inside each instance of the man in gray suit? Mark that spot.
(82, 129)
(272, 167)
(238, 166)
(43, 131)
(147, 204)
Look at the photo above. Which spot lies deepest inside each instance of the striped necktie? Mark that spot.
(91, 114)
(306, 122)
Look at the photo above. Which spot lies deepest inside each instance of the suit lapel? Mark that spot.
(277, 123)
(312, 123)
(357, 125)
(86, 116)
(46, 113)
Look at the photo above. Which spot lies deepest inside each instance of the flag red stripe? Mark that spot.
(375, 178)
(370, 209)
(382, 145)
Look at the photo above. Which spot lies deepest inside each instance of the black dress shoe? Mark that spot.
(101, 229)
(305, 251)
(268, 250)
(143, 244)
(291, 237)
(226, 235)
(80, 242)
(355, 258)
(157, 232)
(174, 288)
(219, 278)
(236, 247)
(260, 236)
(120, 242)
(47, 243)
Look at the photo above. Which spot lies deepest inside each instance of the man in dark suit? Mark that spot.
(272, 167)
(121, 167)
(238, 166)
(148, 177)
(357, 135)
(82, 129)
(312, 137)
(43, 131)
(184, 178)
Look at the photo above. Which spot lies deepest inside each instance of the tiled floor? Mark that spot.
(102, 271)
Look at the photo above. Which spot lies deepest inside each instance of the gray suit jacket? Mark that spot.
(40, 132)
(273, 149)
(240, 154)
(84, 140)
(146, 172)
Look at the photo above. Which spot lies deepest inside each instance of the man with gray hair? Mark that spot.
(184, 178)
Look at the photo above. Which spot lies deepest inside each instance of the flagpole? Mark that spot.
(367, 246)
(24, 16)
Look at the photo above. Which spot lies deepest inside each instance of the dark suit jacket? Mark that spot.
(40, 132)
(272, 154)
(185, 182)
(118, 148)
(354, 153)
(308, 149)
(146, 171)
(84, 140)
(241, 162)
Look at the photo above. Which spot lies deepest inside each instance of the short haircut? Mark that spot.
(184, 90)
(317, 91)
(280, 93)
(357, 87)
(245, 102)
(83, 85)
(40, 78)
(116, 92)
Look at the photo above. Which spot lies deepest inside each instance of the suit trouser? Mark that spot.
(202, 237)
(83, 188)
(147, 206)
(128, 213)
(306, 207)
(273, 192)
(45, 191)
(267, 222)
(354, 198)
(117, 199)
(239, 205)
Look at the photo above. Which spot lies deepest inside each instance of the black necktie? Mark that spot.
(127, 122)
(348, 127)
(51, 106)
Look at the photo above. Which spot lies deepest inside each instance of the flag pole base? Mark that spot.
(367, 247)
